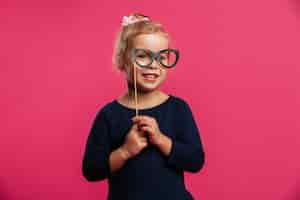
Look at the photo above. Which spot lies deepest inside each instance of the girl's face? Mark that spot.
(148, 78)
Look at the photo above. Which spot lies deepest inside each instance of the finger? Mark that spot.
(151, 121)
(141, 117)
(140, 121)
(147, 129)
(146, 121)
(144, 144)
(135, 126)
(143, 139)
(142, 134)
(136, 118)
(139, 129)
(143, 123)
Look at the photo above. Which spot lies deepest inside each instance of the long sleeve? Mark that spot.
(186, 152)
(95, 164)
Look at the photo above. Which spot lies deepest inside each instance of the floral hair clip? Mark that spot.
(132, 19)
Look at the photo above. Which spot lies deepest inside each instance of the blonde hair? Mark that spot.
(126, 35)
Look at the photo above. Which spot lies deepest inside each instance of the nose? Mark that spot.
(155, 64)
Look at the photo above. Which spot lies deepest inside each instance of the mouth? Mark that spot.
(150, 76)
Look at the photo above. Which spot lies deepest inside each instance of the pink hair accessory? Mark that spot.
(132, 19)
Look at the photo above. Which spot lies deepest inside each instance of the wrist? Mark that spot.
(164, 144)
(160, 140)
(124, 153)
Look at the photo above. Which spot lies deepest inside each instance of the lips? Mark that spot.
(150, 76)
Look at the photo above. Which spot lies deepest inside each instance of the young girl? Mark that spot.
(144, 154)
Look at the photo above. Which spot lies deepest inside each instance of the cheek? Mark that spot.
(163, 73)
(130, 72)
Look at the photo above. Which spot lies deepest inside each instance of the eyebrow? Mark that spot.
(152, 50)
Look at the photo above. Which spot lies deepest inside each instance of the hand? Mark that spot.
(150, 127)
(135, 142)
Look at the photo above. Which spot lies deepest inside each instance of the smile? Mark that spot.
(150, 77)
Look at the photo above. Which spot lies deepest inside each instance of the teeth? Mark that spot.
(149, 75)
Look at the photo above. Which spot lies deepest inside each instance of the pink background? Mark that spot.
(239, 71)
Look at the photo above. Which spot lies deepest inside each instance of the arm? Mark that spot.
(99, 162)
(95, 164)
(185, 152)
(118, 158)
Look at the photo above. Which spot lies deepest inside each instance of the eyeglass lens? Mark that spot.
(145, 58)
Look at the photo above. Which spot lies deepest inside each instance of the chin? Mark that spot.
(146, 87)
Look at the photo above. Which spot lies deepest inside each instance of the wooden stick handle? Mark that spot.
(135, 92)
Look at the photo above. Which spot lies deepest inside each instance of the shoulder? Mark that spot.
(181, 103)
(104, 110)
(182, 111)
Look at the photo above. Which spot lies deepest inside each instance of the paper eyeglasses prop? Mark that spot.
(144, 58)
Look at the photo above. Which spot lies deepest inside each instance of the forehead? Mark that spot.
(153, 41)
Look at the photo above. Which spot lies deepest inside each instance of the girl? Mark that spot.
(144, 156)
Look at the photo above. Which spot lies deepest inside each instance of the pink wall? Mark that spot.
(242, 57)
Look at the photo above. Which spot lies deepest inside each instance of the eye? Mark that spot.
(141, 56)
(164, 56)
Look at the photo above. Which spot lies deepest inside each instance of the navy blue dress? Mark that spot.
(150, 175)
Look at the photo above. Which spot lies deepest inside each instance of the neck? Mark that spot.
(143, 96)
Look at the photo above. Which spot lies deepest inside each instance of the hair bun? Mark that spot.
(134, 18)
